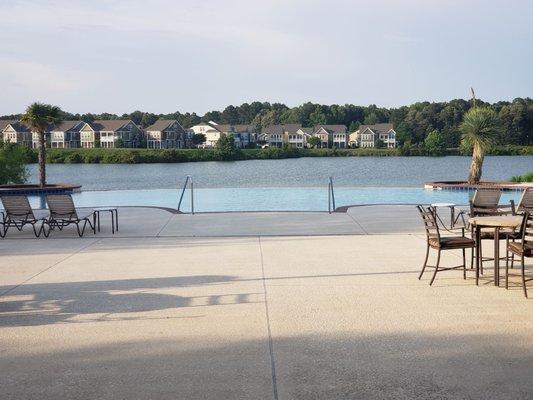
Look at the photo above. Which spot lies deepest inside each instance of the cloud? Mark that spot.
(35, 77)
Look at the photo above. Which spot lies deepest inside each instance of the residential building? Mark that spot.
(117, 133)
(299, 138)
(277, 135)
(244, 135)
(89, 138)
(367, 135)
(165, 134)
(210, 130)
(16, 132)
(66, 135)
(332, 135)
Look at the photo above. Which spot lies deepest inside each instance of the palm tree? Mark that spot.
(39, 117)
(479, 129)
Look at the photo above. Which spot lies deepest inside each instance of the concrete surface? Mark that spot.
(155, 222)
(261, 317)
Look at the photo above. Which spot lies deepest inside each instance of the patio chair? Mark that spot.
(442, 243)
(64, 213)
(18, 213)
(524, 248)
(485, 202)
(526, 201)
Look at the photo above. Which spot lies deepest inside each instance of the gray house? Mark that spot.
(117, 133)
(16, 132)
(66, 135)
(165, 134)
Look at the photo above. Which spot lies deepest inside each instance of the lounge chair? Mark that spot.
(18, 213)
(64, 213)
(524, 248)
(441, 243)
(526, 201)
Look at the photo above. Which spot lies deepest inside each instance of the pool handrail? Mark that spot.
(331, 196)
(189, 180)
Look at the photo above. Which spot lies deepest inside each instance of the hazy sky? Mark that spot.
(162, 56)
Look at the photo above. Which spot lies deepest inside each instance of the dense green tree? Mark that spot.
(314, 141)
(434, 144)
(225, 148)
(39, 117)
(198, 138)
(148, 119)
(13, 161)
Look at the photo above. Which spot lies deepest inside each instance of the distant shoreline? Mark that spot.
(143, 156)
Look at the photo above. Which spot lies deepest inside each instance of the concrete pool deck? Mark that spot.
(158, 313)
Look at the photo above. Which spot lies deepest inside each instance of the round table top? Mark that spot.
(502, 221)
(443, 205)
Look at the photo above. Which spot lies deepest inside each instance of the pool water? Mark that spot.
(268, 199)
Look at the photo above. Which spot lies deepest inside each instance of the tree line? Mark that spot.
(412, 123)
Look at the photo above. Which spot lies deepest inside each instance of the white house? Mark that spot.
(332, 134)
(367, 135)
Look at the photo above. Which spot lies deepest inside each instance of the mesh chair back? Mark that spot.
(61, 206)
(17, 207)
(430, 222)
(527, 228)
(526, 200)
(486, 198)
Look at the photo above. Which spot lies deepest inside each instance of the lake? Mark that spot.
(278, 185)
(296, 172)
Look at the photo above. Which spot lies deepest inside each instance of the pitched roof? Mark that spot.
(67, 126)
(332, 128)
(5, 122)
(244, 128)
(162, 124)
(377, 128)
(109, 124)
(309, 131)
(19, 126)
(280, 129)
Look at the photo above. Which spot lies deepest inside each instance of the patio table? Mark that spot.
(496, 222)
(451, 206)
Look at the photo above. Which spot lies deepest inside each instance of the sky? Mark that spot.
(192, 55)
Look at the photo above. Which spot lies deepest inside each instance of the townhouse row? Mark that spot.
(330, 136)
(169, 134)
(163, 134)
(295, 135)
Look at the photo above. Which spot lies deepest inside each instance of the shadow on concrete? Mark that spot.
(50, 303)
(308, 367)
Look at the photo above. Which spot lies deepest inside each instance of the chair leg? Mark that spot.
(524, 276)
(425, 263)
(436, 268)
(506, 268)
(480, 257)
(464, 263)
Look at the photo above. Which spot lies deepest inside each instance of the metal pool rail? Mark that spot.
(189, 180)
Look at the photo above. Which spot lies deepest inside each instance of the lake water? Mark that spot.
(269, 185)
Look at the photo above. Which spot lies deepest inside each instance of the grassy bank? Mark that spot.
(137, 156)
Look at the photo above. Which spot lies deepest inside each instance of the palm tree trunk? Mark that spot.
(476, 166)
(42, 159)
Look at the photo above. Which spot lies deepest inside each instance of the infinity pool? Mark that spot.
(267, 199)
